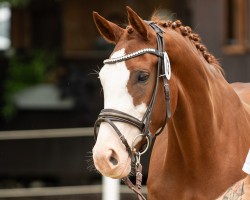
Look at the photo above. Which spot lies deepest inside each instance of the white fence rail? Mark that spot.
(110, 188)
(46, 133)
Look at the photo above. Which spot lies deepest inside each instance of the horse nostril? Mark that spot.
(113, 160)
(112, 157)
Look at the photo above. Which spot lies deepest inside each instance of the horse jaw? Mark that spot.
(109, 153)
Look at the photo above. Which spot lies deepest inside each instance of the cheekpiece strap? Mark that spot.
(156, 28)
(165, 66)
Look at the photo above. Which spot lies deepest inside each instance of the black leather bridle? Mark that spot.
(111, 115)
(163, 70)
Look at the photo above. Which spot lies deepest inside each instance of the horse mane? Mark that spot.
(186, 31)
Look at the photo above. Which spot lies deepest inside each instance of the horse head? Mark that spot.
(128, 87)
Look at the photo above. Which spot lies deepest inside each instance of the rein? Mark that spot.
(111, 115)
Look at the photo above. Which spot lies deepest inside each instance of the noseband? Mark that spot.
(111, 115)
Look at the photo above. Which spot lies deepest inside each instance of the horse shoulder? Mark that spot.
(243, 91)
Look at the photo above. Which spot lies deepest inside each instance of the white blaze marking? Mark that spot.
(114, 79)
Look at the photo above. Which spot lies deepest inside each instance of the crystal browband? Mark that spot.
(132, 55)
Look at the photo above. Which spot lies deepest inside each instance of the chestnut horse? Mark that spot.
(201, 150)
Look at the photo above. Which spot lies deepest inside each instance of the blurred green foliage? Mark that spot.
(22, 73)
(16, 3)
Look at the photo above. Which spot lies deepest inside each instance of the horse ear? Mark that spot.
(110, 31)
(137, 23)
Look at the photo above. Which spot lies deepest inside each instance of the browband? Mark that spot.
(132, 55)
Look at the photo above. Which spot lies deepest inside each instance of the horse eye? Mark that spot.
(142, 77)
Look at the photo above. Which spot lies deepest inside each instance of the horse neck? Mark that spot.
(204, 99)
(204, 146)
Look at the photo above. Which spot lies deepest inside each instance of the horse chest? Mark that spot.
(168, 192)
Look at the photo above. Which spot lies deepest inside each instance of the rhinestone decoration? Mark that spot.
(132, 55)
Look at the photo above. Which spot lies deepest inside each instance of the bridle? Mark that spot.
(111, 115)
